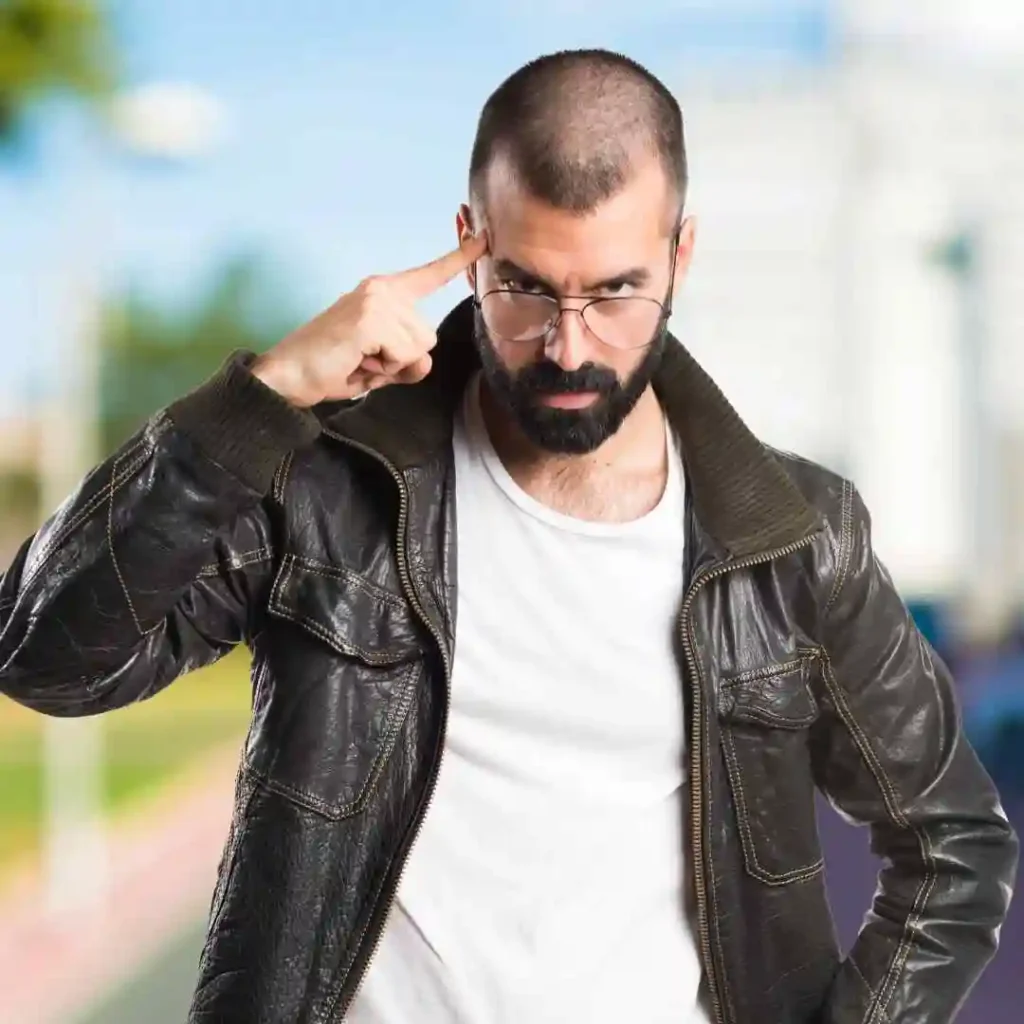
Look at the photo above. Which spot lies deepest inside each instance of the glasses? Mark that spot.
(624, 323)
(631, 322)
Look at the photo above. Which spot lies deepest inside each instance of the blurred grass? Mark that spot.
(145, 746)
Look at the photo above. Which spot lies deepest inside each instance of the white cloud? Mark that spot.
(980, 28)
(645, 10)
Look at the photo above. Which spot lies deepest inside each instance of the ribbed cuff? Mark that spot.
(243, 424)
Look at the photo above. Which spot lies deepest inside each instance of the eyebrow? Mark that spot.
(635, 277)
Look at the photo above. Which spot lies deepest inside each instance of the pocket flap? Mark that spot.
(346, 611)
(776, 696)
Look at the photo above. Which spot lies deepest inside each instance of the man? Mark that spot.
(550, 653)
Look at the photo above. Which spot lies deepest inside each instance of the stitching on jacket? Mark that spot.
(239, 561)
(397, 717)
(845, 552)
(773, 720)
(449, 584)
(281, 478)
(333, 638)
(754, 866)
(337, 641)
(338, 572)
(90, 506)
(766, 715)
(348, 576)
(887, 989)
(864, 981)
(239, 816)
(767, 672)
(712, 888)
(110, 548)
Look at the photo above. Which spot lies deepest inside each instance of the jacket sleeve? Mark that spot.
(889, 752)
(152, 567)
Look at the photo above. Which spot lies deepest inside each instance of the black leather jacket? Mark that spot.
(325, 541)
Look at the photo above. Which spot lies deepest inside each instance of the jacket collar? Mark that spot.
(742, 496)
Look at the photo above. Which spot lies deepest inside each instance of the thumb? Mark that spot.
(415, 372)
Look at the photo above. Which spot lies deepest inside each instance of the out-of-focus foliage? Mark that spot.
(47, 47)
(155, 352)
(19, 493)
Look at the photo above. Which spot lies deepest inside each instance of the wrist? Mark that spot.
(283, 377)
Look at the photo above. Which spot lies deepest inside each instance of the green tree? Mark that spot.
(153, 351)
(48, 47)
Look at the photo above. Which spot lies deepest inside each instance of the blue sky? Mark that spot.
(347, 134)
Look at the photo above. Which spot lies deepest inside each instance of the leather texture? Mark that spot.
(326, 542)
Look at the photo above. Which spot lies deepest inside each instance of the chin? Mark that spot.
(562, 433)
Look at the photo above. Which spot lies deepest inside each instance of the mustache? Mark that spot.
(548, 378)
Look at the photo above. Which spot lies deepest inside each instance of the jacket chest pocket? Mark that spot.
(337, 671)
(764, 716)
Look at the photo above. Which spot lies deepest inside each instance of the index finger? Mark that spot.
(421, 281)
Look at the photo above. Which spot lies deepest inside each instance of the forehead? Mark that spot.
(630, 229)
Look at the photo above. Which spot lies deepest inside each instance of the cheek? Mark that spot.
(625, 363)
(516, 355)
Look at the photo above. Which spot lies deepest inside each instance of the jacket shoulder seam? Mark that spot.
(111, 491)
(117, 481)
(844, 553)
(281, 478)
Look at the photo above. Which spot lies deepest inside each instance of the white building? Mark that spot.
(831, 190)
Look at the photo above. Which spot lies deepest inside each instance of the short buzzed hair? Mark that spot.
(570, 126)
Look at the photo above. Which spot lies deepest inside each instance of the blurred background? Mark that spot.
(181, 179)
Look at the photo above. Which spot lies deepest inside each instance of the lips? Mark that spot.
(569, 400)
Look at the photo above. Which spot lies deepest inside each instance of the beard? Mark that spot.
(566, 431)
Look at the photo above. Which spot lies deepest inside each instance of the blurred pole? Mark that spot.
(169, 123)
(73, 755)
(988, 586)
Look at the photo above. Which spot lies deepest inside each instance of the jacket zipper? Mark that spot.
(716, 984)
(411, 593)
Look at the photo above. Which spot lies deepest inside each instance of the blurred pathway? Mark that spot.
(162, 992)
(163, 863)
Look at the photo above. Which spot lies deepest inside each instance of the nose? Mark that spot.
(568, 343)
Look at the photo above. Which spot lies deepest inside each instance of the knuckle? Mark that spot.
(374, 286)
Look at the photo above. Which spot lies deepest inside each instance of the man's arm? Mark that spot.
(889, 752)
(152, 567)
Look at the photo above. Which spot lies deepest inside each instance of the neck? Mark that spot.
(620, 480)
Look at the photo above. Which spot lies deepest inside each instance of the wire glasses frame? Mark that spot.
(620, 322)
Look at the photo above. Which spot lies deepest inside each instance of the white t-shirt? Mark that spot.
(548, 883)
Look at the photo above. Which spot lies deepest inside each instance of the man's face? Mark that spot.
(570, 390)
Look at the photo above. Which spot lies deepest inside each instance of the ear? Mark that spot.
(464, 230)
(684, 253)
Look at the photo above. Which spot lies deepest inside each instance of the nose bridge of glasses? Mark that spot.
(568, 334)
(560, 309)
(568, 339)
(560, 305)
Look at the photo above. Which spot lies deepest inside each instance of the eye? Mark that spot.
(512, 284)
(619, 290)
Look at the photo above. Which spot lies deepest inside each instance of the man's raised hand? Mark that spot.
(370, 337)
